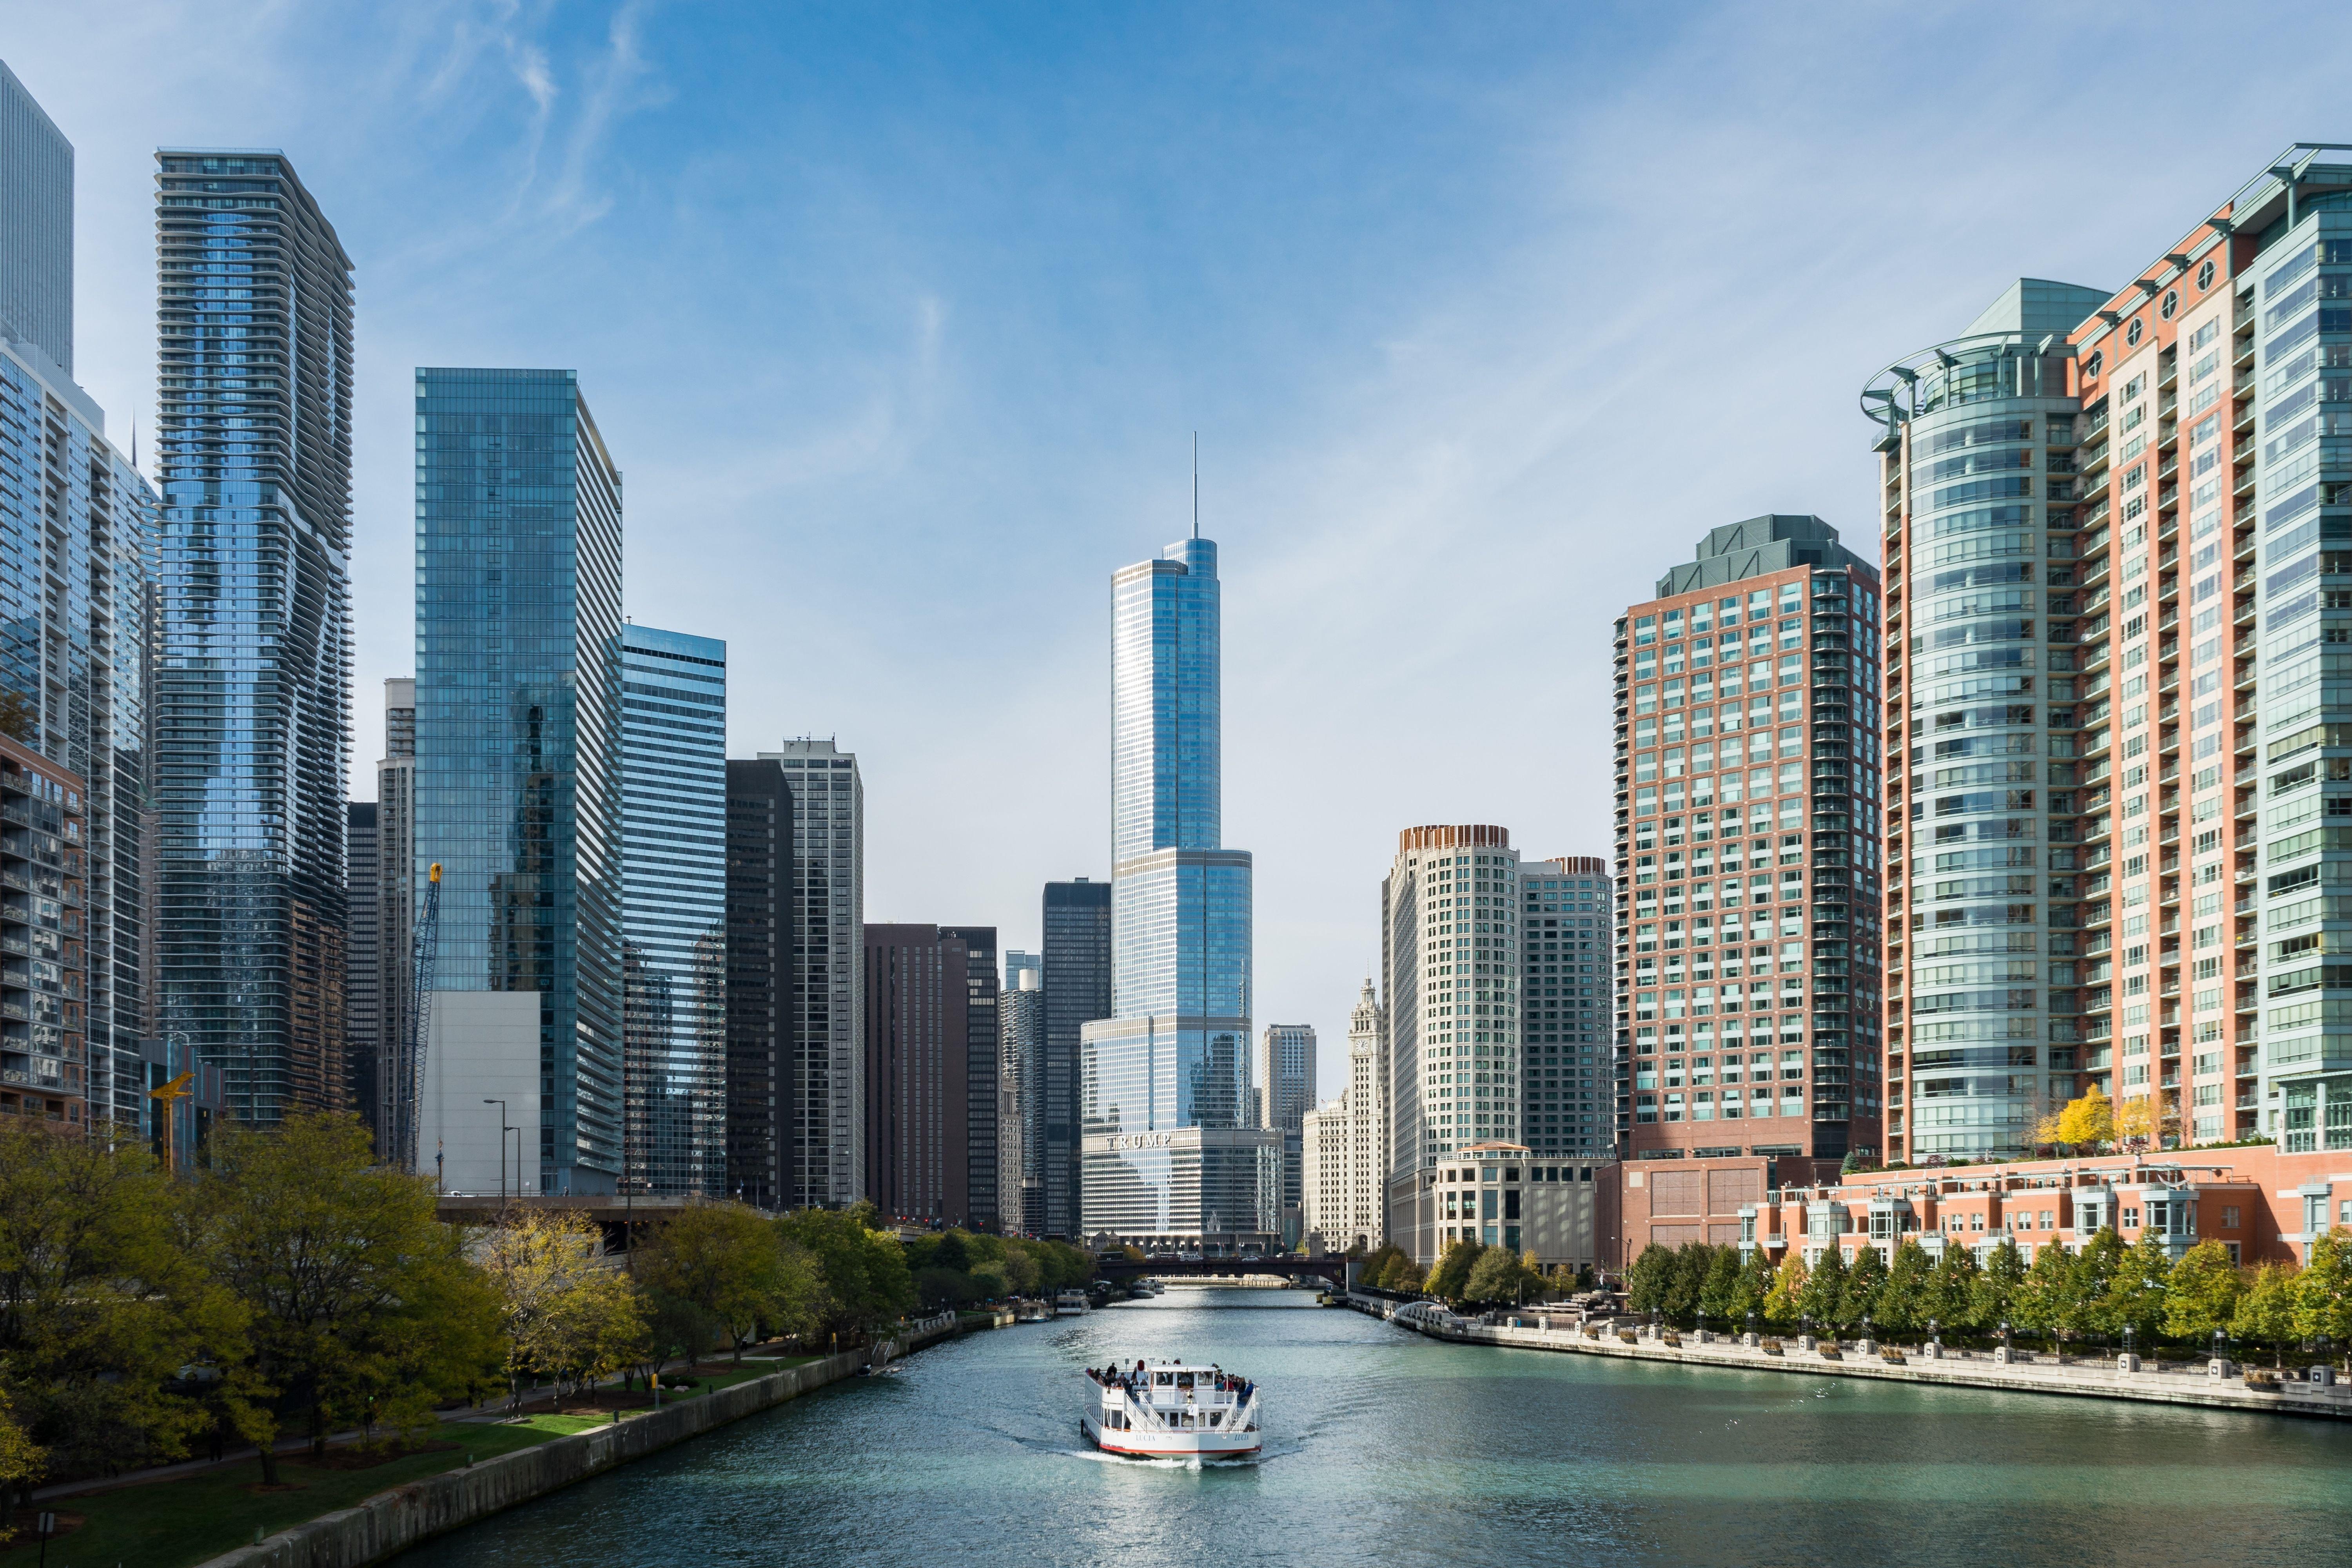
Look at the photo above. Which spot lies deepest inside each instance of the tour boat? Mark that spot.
(1071, 1302)
(1170, 1410)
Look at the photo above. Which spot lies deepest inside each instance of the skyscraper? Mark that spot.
(1076, 925)
(673, 910)
(363, 1036)
(1566, 1082)
(1449, 952)
(252, 679)
(518, 775)
(36, 239)
(77, 523)
(825, 1019)
(1749, 897)
(981, 1000)
(1164, 1082)
(763, 1090)
(1021, 1109)
(394, 921)
(918, 1144)
(1284, 1089)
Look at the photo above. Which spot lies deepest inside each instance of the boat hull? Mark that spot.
(1146, 1445)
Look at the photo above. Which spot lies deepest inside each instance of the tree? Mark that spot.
(2134, 1298)
(1408, 1278)
(729, 1263)
(1782, 1302)
(1500, 1275)
(2087, 1121)
(1902, 1300)
(1647, 1283)
(2202, 1294)
(564, 1311)
(1865, 1285)
(1450, 1280)
(1951, 1293)
(22, 1464)
(1692, 1261)
(2323, 1291)
(2096, 1267)
(1755, 1284)
(100, 1302)
(2265, 1312)
(1378, 1264)
(360, 1304)
(864, 1271)
(2135, 1124)
(2000, 1284)
(1823, 1297)
(1718, 1296)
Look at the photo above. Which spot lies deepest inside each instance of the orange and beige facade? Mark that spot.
(1747, 853)
(2118, 552)
(44, 1062)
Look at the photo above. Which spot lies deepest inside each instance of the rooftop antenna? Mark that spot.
(1196, 484)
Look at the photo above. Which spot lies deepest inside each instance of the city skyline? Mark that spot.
(1442, 407)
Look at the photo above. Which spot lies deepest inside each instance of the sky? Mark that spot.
(900, 322)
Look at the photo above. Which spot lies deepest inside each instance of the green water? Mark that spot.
(1384, 1446)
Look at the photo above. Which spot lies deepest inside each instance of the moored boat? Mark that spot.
(1170, 1410)
(1070, 1302)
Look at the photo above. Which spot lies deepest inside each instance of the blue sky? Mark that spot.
(900, 319)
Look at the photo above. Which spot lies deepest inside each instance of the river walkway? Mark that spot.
(2198, 1383)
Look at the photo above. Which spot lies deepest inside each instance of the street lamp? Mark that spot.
(503, 1130)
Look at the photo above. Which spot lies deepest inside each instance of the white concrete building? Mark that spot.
(1344, 1142)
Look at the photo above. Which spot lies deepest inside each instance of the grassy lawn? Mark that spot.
(173, 1523)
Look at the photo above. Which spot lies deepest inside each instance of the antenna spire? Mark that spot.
(1196, 484)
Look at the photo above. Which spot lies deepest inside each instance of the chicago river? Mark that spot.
(1382, 1446)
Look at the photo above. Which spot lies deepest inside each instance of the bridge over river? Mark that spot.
(1333, 1269)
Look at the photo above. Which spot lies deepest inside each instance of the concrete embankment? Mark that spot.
(391, 1522)
(2080, 1379)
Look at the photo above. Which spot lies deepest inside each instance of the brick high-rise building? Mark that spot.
(1748, 851)
(918, 1053)
(763, 1086)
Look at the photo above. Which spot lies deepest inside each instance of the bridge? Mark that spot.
(1333, 1268)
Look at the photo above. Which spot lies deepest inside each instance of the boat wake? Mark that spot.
(1148, 1462)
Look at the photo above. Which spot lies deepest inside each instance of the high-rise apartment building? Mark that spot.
(1748, 851)
(37, 241)
(518, 776)
(917, 1118)
(981, 1029)
(1449, 962)
(48, 1070)
(252, 681)
(77, 520)
(1020, 1106)
(1076, 959)
(764, 1095)
(2167, 483)
(392, 921)
(1568, 1089)
(1284, 1085)
(1170, 1153)
(363, 1036)
(824, 1019)
(674, 910)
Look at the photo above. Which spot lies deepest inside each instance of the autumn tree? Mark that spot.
(1782, 1302)
(2086, 1121)
(361, 1306)
(2265, 1312)
(22, 1464)
(565, 1310)
(2135, 1121)
(1755, 1284)
(1501, 1275)
(2202, 1294)
(1450, 1280)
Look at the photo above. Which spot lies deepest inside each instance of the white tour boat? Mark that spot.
(1071, 1302)
(1170, 1410)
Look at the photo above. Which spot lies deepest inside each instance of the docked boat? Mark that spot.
(1070, 1302)
(1170, 1410)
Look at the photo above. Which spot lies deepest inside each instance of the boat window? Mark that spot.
(1184, 1380)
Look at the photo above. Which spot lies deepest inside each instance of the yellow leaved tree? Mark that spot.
(569, 1313)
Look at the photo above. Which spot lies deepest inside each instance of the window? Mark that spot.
(2132, 333)
(2171, 303)
(2205, 275)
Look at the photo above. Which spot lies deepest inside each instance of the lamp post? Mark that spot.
(503, 1130)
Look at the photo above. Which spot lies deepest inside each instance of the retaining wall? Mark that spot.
(383, 1526)
(2080, 1379)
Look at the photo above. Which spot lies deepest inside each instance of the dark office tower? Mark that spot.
(253, 404)
(363, 979)
(518, 774)
(395, 915)
(824, 1008)
(1078, 993)
(1020, 1113)
(985, 1211)
(674, 908)
(760, 1087)
(918, 1157)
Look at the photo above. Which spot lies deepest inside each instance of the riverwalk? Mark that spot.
(2215, 1386)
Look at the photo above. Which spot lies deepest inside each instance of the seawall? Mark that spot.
(390, 1523)
(2080, 1379)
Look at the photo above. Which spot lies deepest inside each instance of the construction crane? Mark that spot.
(167, 1098)
(426, 954)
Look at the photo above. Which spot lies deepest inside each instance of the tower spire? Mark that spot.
(1196, 484)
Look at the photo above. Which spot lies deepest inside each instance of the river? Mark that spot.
(1385, 1446)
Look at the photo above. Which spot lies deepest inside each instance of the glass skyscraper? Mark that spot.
(674, 908)
(518, 751)
(252, 678)
(1170, 1150)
